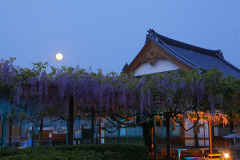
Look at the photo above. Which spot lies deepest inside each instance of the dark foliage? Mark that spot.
(81, 152)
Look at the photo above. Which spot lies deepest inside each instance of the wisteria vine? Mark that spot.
(176, 92)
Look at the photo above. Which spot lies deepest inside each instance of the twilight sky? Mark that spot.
(106, 34)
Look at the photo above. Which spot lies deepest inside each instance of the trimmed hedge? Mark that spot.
(53, 154)
(74, 152)
(129, 152)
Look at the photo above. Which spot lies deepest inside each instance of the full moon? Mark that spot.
(59, 56)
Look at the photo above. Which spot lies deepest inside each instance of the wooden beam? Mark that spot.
(210, 132)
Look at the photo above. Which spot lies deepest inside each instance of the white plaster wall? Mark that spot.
(161, 65)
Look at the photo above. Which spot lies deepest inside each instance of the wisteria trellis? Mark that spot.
(28, 93)
(176, 91)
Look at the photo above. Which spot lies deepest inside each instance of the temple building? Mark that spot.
(162, 54)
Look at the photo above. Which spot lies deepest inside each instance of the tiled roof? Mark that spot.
(194, 56)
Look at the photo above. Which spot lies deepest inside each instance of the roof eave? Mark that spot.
(131, 67)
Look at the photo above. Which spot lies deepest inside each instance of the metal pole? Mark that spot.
(210, 133)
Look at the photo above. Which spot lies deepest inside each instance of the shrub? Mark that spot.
(77, 152)
(127, 151)
(8, 151)
(53, 154)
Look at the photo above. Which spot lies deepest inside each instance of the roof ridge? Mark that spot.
(174, 53)
(155, 36)
(225, 61)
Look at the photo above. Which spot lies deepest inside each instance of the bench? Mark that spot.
(190, 153)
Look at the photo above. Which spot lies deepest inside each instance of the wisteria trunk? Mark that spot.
(33, 135)
(93, 126)
(71, 121)
(41, 131)
(10, 129)
(3, 131)
(100, 132)
(196, 136)
(147, 128)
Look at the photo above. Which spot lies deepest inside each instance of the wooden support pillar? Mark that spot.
(210, 132)
(71, 121)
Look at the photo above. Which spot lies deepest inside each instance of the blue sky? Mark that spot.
(106, 34)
